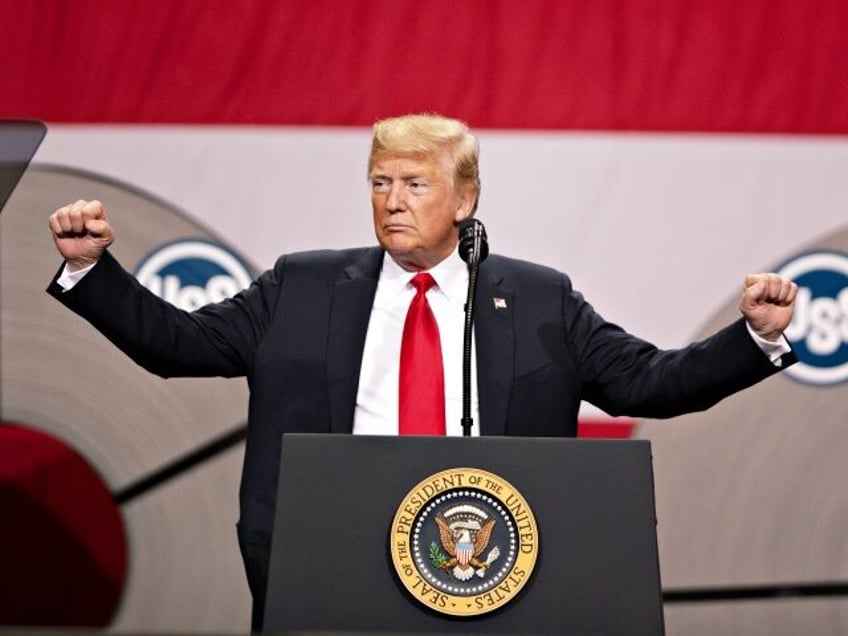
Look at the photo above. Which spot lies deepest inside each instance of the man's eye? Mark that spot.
(417, 186)
(379, 185)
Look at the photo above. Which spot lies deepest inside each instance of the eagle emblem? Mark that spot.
(449, 532)
(464, 532)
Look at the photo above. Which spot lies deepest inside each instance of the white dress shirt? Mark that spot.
(377, 399)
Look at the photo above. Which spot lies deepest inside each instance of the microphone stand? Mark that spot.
(473, 260)
(467, 421)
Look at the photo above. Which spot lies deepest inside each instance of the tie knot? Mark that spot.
(422, 281)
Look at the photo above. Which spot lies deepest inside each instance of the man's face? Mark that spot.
(416, 208)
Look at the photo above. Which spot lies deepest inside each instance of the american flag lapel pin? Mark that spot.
(500, 303)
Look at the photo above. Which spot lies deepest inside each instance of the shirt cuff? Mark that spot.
(67, 279)
(774, 350)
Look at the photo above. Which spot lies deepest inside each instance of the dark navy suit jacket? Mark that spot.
(298, 333)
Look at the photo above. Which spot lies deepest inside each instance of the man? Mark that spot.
(320, 335)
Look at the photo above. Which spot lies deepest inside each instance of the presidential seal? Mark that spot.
(464, 542)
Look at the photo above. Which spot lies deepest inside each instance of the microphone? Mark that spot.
(473, 249)
(473, 242)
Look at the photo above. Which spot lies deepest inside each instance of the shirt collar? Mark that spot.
(451, 276)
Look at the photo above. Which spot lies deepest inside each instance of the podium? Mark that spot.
(351, 521)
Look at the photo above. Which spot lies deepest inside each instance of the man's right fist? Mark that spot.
(81, 232)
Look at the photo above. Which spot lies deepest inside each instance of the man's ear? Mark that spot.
(465, 205)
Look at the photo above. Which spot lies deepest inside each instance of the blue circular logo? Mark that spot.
(191, 273)
(819, 329)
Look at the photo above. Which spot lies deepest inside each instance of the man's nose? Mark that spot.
(396, 201)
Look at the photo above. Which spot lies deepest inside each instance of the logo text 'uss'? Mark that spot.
(819, 329)
(191, 273)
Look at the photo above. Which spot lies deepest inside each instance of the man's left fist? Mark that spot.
(767, 303)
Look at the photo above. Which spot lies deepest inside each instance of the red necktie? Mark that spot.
(422, 380)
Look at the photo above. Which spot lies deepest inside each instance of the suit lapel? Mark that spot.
(495, 343)
(353, 297)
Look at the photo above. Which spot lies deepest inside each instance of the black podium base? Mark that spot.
(597, 568)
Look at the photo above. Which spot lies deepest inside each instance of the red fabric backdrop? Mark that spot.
(685, 65)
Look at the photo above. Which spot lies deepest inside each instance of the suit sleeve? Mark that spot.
(215, 340)
(625, 375)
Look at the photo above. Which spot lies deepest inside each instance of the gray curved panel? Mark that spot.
(753, 491)
(58, 374)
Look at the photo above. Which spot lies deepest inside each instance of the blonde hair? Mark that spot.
(428, 134)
